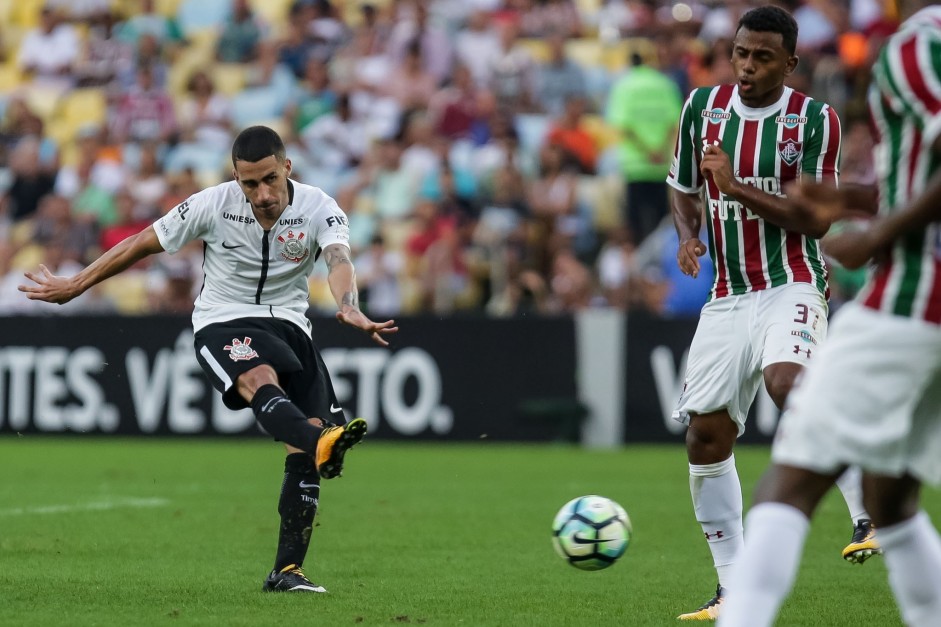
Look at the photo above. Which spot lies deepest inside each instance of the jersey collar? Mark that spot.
(748, 113)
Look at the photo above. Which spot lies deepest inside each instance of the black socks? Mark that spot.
(298, 505)
(282, 419)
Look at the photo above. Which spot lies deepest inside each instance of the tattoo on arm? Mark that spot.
(351, 298)
(335, 255)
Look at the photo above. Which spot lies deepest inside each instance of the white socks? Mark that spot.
(851, 485)
(764, 575)
(913, 557)
(717, 501)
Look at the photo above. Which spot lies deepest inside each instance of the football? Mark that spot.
(591, 532)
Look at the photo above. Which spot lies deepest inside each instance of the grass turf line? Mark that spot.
(421, 534)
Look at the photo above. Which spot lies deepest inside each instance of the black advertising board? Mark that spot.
(454, 378)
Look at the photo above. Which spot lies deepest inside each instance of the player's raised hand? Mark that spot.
(716, 165)
(688, 256)
(375, 330)
(49, 287)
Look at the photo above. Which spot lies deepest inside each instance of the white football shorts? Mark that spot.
(739, 336)
(871, 399)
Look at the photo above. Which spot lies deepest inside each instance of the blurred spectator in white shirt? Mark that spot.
(204, 115)
(434, 42)
(50, 51)
(476, 44)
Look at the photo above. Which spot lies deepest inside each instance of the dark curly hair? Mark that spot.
(771, 19)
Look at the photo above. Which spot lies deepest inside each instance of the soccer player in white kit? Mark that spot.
(873, 397)
(738, 146)
(262, 234)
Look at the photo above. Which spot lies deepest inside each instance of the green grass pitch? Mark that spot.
(174, 532)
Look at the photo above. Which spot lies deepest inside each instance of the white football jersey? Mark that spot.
(250, 272)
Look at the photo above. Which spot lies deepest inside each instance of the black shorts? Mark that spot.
(227, 349)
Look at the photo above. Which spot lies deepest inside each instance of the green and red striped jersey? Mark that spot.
(905, 105)
(768, 147)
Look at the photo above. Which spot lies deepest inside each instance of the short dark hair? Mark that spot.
(771, 19)
(256, 143)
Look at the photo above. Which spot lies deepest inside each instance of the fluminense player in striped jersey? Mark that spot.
(873, 395)
(738, 146)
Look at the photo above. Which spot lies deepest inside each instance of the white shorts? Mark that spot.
(872, 399)
(739, 336)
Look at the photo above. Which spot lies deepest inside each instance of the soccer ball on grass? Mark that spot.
(591, 532)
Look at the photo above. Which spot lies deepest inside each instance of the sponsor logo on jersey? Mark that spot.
(293, 247)
(183, 207)
(798, 350)
(730, 209)
(804, 335)
(291, 222)
(716, 115)
(790, 151)
(791, 120)
(240, 350)
(336, 220)
(767, 184)
(234, 217)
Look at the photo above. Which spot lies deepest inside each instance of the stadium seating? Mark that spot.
(274, 12)
(76, 109)
(197, 15)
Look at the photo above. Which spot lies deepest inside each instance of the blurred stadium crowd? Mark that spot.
(483, 149)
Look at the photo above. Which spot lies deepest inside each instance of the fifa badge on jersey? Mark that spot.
(292, 247)
(240, 350)
(790, 151)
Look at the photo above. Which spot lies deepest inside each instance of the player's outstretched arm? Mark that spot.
(854, 248)
(60, 289)
(342, 280)
(833, 203)
(687, 218)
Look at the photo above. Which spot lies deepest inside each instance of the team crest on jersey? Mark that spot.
(241, 350)
(293, 247)
(791, 120)
(790, 151)
(716, 115)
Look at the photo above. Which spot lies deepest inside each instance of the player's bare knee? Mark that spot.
(710, 439)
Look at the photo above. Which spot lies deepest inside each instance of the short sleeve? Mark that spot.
(332, 225)
(684, 171)
(187, 221)
(822, 150)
